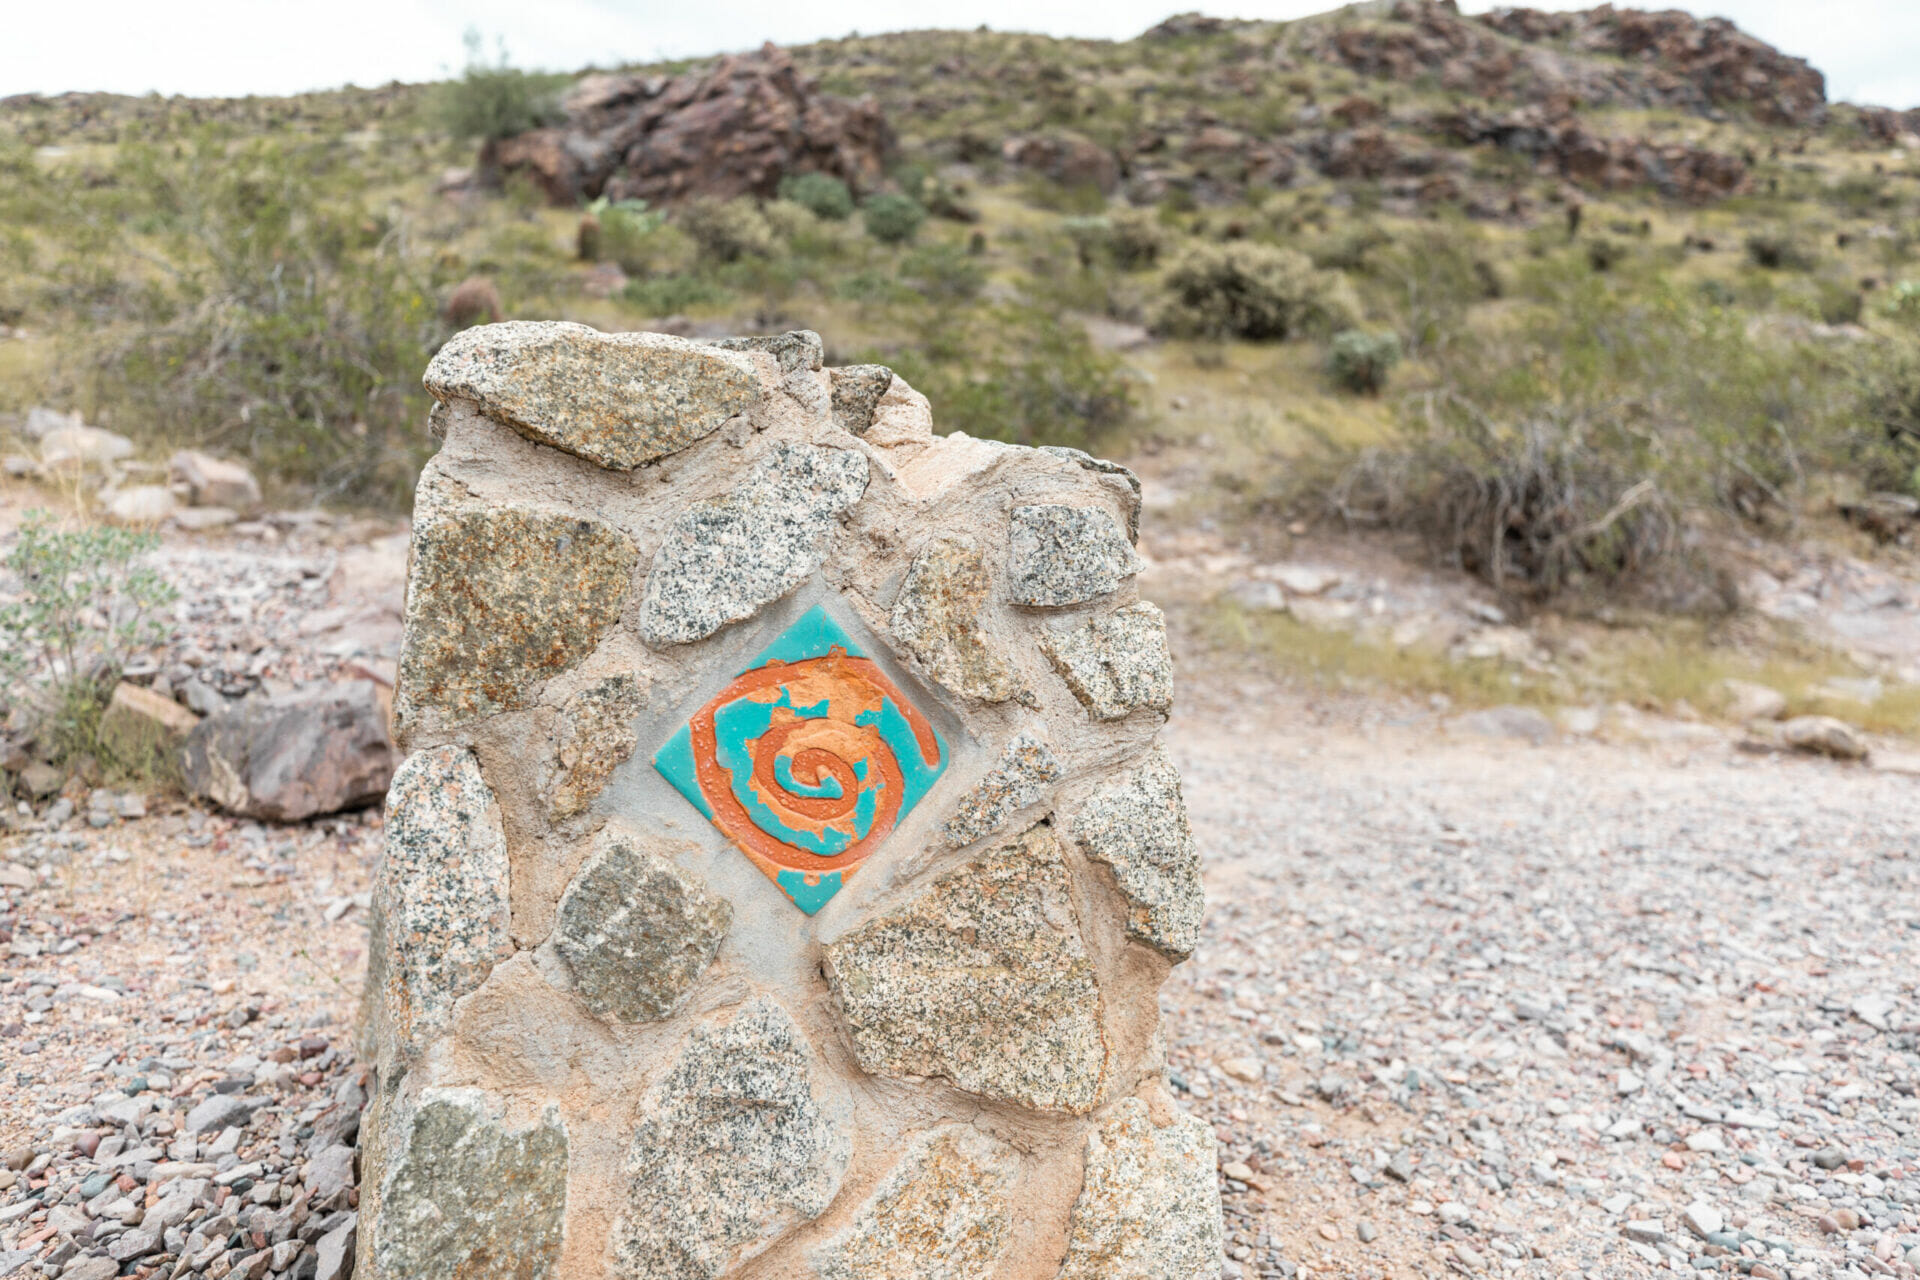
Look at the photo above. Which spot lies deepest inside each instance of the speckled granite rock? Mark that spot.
(440, 895)
(1065, 555)
(724, 559)
(742, 1139)
(636, 931)
(941, 1213)
(1024, 773)
(1138, 827)
(498, 600)
(982, 979)
(1129, 483)
(1116, 665)
(616, 399)
(937, 616)
(596, 737)
(1150, 1206)
(463, 1195)
(857, 390)
(793, 351)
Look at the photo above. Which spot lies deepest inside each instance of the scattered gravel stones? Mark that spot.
(937, 616)
(636, 931)
(1059, 555)
(724, 559)
(498, 600)
(1118, 664)
(941, 1212)
(1020, 778)
(1138, 827)
(597, 736)
(1149, 1208)
(982, 979)
(742, 1139)
(615, 399)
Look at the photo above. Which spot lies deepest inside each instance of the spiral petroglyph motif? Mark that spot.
(806, 760)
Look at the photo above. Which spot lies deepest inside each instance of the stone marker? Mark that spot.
(786, 868)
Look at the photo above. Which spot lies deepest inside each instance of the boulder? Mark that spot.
(213, 482)
(1824, 736)
(140, 725)
(77, 448)
(317, 750)
(1744, 701)
(141, 505)
(1066, 157)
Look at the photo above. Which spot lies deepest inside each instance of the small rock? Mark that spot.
(222, 1110)
(318, 750)
(1304, 580)
(212, 482)
(1743, 701)
(1829, 1158)
(1366, 1231)
(1643, 1231)
(1248, 1070)
(1702, 1219)
(141, 505)
(1328, 1231)
(1528, 724)
(141, 728)
(1826, 736)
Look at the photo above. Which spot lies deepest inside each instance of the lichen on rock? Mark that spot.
(983, 979)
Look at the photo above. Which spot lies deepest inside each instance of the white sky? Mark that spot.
(1869, 49)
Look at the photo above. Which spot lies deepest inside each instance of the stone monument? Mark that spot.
(784, 868)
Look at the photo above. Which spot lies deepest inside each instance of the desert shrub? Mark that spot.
(1901, 303)
(891, 218)
(943, 273)
(85, 604)
(665, 295)
(1137, 239)
(1777, 251)
(628, 233)
(492, 100)
(1889, 384)
(726, 230)
(1604, 254)
(1839, 302)
(821, 194)
(473, 301)
(1256, 291)
(1360, 361)
(1353, 248)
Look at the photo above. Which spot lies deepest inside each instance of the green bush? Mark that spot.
(628, 233)
(1902, 303)
(666, 295)
(726, 230)
(1256, 291)
(891, 218)
(1604, 254)
(1777, 251)
(1359, 361)
(821, 194)
(86, 604)
(491, 101)
(943, 273)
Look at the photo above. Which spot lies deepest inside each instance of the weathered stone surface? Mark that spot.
(744, 1138)
(1103, 467)
(140, 727)
(941, 1213)
(615, 399)
(440, 895)
(982, 979)
(316, 750)
(937, 616)
(1025, 771)
(637, 931)
(1118, 664)
(1138, 827)
(207, 481)
(793, 351)
(724, 559)
(499, 600)
(463, 1195)
(1060, 555)
(1825, 736)
(141, 505)
(596, 737)
(1150, 1206)
(857, 390)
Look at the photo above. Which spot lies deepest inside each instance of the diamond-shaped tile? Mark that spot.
(806, 760)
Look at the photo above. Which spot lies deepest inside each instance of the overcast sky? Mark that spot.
(1869, 49)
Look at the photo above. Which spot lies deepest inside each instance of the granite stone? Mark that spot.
(1149, 1207)
(637, 932)
(857, 391)
(440, 895)
(463, 1195)
(596, 737)
(937, 617)
(796, 351)
(941, 1213)
(614, 399)
(499, 600)
(1127, 481)
(1138, 827)
(1116, 665)
(983, 979)
(743, 1138)
(723, 560)
(1022, 776)
(1060, 555)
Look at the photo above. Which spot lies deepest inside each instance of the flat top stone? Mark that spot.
(983, 979)
(1149, 1208)
(1061, 555)
(498, 601)
(941, 1213)
(637, 931)
(1116, 665)
(615, 399)
(465, 1196)
(1138, 826)
(743, 1138)
(937, 617)
(723, 560)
